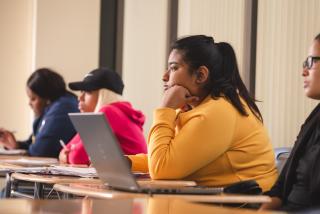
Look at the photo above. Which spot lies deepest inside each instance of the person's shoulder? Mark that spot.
(63, 105)
(214, 104)
(66, 100)
(212, 109)
(115, 107)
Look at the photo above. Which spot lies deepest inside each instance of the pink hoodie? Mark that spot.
(126, 124)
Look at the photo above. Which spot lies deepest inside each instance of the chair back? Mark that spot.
(281, 156)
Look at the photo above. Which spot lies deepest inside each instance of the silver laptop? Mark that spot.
(112, 166)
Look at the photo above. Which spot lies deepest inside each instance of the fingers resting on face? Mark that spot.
(177, 97)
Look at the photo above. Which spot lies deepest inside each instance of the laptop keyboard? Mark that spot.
(186, 190)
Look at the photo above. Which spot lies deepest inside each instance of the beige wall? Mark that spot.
(144, 54)
(60, 34)
(224, 20)
(15, 61)
(67, 36)
(286, 28)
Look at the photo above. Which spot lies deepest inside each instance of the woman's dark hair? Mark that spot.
(224, 77)
(47, 84)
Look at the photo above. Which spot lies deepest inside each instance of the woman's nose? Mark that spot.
(305, 72)
(165, 77)
(81, 96)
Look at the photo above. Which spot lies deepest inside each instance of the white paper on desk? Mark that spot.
(42, 170)
(88, 172)
(13, 152)
(33, 162)
(33, 170)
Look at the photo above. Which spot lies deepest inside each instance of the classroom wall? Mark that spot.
(67, 36)
(223, 20)
(286, 29)
(15, 62)
(144, 54)
(63, 35)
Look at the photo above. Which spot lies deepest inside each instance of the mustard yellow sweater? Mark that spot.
(212, 144)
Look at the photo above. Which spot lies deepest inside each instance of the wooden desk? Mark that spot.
(41, 180)
(123, 206)
(53, 179)
(100, 191)
(10, 162)
(27, 161)
(95, 191)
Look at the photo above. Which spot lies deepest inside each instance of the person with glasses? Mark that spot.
(298, 186)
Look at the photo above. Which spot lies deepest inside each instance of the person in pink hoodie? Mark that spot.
(101, 91)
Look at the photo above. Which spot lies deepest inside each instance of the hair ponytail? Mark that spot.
(230, 83)
(224, 77)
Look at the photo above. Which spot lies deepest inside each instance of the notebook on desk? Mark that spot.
(13, 151)
(107, 157)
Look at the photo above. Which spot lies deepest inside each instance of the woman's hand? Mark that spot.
(273, 205)
(63, 156)
(177, 97)
(7, 139)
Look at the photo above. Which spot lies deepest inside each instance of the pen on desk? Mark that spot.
(63, 144)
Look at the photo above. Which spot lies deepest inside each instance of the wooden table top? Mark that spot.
(58, 179)
(101, 191)
(27, 160)
(123, 206)
(53, 179)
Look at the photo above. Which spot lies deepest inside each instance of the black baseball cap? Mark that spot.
(97, 79)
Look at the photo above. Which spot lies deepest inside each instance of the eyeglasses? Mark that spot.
(309, 61)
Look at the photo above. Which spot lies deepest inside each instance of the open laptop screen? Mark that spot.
(103, 149)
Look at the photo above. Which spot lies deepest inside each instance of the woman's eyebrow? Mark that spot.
(173, 63)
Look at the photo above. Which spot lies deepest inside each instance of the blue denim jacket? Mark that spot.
(53, 125)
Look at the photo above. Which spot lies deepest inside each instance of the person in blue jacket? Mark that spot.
(51, 103)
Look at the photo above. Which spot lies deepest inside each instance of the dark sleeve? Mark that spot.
(47, 140)
(25, 144)
(277, 189)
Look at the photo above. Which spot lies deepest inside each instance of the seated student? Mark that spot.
(101, 91)
(298, 186)
(51, 103)
(208, 128)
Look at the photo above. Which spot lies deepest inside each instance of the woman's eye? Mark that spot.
(173, 68)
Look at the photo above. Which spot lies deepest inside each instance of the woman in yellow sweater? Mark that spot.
(208, 128)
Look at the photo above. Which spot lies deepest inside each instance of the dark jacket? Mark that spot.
(286, 180)
(52, 126)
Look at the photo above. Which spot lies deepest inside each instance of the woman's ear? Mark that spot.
(202, 74)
